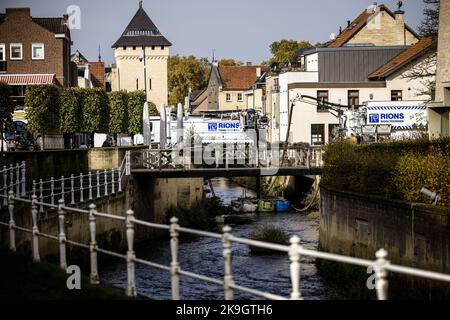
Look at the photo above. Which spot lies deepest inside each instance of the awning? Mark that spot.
(27, 79)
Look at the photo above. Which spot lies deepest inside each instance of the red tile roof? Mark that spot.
(348, 33)
(403, 58)
(238, 78)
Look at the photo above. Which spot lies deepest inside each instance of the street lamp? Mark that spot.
(142, 57)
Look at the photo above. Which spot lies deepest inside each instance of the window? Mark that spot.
(153, 47)
(137, 84)
(353, 98)
(317, 134)
(239, 97)
(2, 58)
(15, 51)
(149, 84)
(162, 47)
(124, 47)
(37, 51)
(228, 97)
(134, 47)
(396, 95)
(322, 95)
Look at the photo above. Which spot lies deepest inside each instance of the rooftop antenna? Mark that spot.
(140, 4)
(99, 54)
(400, 5)
(213, 55)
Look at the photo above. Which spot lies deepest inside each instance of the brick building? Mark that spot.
(33, 50)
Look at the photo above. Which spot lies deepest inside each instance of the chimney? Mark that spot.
(18, 12)
(348, 23)
(400, 25)
(249, 64)
(258, 72)
(340, 30)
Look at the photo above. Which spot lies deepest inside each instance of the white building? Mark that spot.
(349, 76)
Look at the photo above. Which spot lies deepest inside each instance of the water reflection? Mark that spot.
(204, 256)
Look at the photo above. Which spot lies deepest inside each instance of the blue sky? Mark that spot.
(239, 29)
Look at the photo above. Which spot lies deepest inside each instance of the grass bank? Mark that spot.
(21, 278)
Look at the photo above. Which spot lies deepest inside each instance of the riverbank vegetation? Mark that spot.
(396, 170)
(26, 280)
(271, 234)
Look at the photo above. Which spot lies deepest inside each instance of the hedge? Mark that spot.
(42, 106)
(136, 102)
(95, 111)
(392, 169)
(70, 110)
(118, 121)
(6, 103)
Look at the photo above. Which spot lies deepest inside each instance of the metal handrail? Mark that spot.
(381, 265)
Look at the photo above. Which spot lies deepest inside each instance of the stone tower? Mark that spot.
(142, 52)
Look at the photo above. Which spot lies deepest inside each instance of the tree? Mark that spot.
(6, 109)
(136, 102)
(95, 111)
(118, 104)
(185, 73)
(70, 111)
(42, 107)
(284, 50)
(430, 22)
(230, 63)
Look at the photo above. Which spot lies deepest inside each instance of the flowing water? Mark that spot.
(204, 256)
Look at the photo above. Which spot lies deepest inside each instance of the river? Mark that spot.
(204, 256)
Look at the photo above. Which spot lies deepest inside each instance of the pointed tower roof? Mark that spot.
(141, 31)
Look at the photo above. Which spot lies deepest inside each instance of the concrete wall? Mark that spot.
(415, 235)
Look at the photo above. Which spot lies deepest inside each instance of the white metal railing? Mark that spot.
(158, 159)
(294, 251)
(13, 178)
(81, 188)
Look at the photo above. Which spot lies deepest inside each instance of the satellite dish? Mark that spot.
(333, 36)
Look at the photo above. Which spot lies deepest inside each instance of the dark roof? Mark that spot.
(141, 23)
(407, 56)
(359, 23)
(55, 25)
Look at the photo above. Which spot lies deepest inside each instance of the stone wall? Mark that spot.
(415, 235)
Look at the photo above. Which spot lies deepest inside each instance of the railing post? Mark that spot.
(41, 195)
(72, 189)
(227, 255)
(93, 245)
(106, 182)
(98, 184)
(52, 190)
(128, 163)
(131, 283)
(81, 188)
(11, 177)
(381, 282)
(12, 224)
(120, 180)
(294, 256)
(90, 185)
(113, 187)
(33, 190)
(24, 170)
(5, 186)
(62, 235)
(18, 180)
(35, 230)
(63, 189)
(175, 265)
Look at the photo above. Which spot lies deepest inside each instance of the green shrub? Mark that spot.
(118, 121)
(42, 105)
(271, 234)
(384, 169)
(415, 171)
(70, 111)
(95, 111)
(6, 103)
(136, 102)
